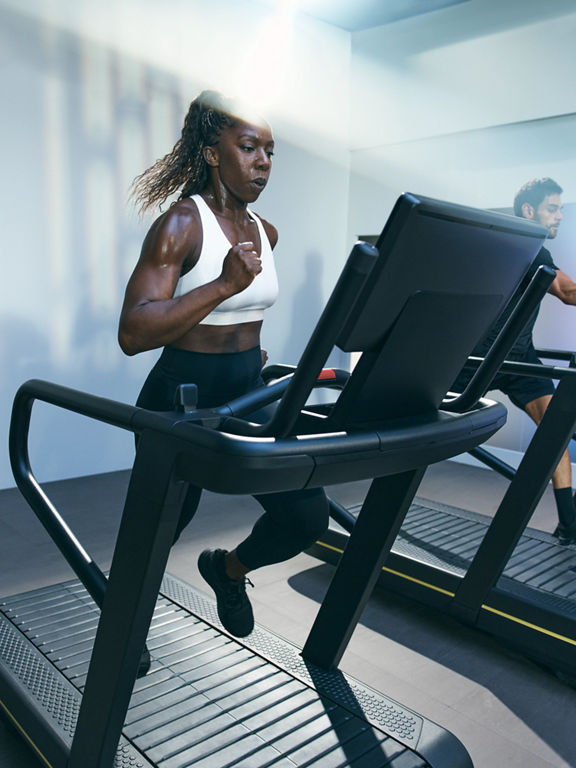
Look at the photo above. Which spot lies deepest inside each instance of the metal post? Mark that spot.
(524, 492)
(376, 528)
(151, 514)
(487, 458)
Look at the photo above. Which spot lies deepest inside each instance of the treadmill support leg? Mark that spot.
(151, 514)
(516, 508)
(376, 528)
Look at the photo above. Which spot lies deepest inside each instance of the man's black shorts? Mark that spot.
(520, 389)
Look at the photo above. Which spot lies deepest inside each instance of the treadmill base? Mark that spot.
(209, 699)
(532, 608)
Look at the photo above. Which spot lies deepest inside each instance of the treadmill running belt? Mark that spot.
(210, 700)
(447, 538)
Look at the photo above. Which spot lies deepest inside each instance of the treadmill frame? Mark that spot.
(364, 437)
(538, 625)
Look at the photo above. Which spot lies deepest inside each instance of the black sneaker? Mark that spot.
(566, 534)
(234, 609)
(145, 662)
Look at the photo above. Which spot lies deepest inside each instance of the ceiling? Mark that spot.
(355, 15)
(477, 17)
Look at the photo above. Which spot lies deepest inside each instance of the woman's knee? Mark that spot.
(303, 513)
(315, 519)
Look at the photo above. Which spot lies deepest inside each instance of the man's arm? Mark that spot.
(564, 288)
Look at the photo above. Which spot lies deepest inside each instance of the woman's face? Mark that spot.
(243, 159)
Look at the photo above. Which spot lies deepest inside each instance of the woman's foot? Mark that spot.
(234, 609)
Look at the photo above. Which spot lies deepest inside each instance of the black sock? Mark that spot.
(565, 504)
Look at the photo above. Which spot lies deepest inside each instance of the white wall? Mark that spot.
(464, 103)
(467, 104)
(96, 92)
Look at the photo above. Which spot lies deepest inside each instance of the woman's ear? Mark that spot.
(528, 211)
(211, 156)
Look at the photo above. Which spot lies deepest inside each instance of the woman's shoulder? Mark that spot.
(183, 211)
(176, 234)
(181, 218)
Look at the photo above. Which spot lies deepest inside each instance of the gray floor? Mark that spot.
(506, 711)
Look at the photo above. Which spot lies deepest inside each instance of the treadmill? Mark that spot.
(487, 457)
(515, 582)
(72, 655)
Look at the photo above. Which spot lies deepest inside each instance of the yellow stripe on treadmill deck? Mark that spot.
(544, 631)
(426, 584)
(23, 732)
(396, 573)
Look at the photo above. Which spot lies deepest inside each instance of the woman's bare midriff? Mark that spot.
(221, 338)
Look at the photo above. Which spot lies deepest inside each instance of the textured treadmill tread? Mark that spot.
(211, 700)
(448, 537)
(55, 696)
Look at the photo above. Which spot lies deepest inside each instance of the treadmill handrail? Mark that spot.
(355, 273)
(480, 381)
(518, 368)
(120, 415)
(558, 354)
(109, 411)
(99, 408)
(274, 389)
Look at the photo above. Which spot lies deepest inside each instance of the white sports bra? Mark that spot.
(249, 304)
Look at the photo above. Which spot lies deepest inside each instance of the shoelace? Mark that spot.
(236, 590)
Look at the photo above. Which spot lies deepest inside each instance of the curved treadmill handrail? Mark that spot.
(517, 368)
(558, 354)
(291, 462)
(99, 408)
(487, 369)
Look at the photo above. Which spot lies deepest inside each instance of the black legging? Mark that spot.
(293, 520)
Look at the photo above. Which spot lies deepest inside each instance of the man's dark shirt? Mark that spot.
(524, 340)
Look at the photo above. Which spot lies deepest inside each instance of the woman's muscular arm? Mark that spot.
(151, 316)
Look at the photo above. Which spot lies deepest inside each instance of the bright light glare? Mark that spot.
(273, 46)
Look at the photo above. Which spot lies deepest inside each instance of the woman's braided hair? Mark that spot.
(184, 167)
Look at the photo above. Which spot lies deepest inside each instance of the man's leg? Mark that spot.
(561, 479)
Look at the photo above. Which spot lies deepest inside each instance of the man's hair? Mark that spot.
(534, 191)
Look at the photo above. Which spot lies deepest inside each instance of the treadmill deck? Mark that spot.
(446, 538)
(208, 699)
